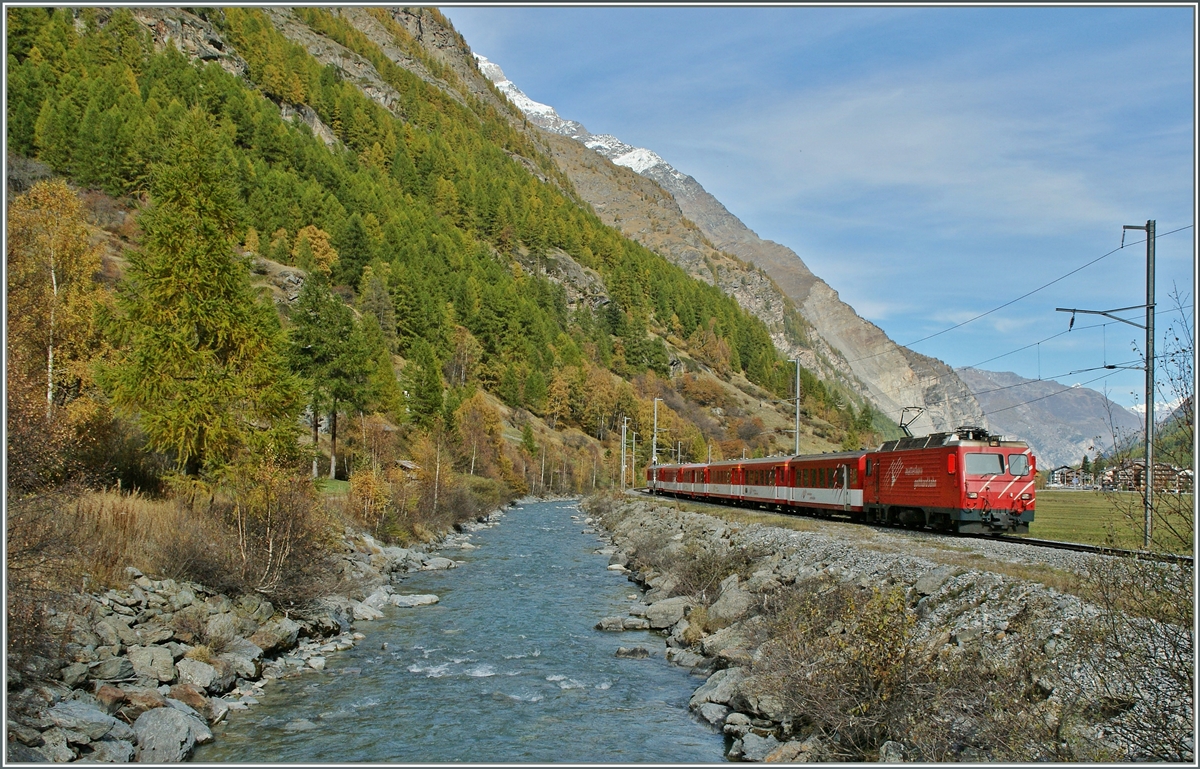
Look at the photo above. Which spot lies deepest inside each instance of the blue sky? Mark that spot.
(930, 164)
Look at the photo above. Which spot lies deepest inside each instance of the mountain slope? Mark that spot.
(894, 377)
(1061, 424)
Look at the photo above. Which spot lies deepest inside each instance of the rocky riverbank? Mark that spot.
(151, 667)
(980, 665)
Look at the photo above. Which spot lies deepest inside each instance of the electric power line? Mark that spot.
(934, 379)
(1025, 295)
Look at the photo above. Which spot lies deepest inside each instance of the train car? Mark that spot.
(825, 484)
(687, 480)
(965, 481)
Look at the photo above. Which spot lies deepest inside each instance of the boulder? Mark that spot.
(112, 669)
(438, 563)
(197, 673)
(138, 701)
(932, 580)
(277, 635)
(712, 713)
(720, 688)
(668, 611)
(730, 637)
(111, 752)
(633, 652)
(74, 674)
(191, 696)
(732, 604)
(332, 615)
(378, 599)
(366, 612)
(153, 633)
(253, 607)
(891, 752)
(222, 628)
(109, 698)
(165, 735)
(611, 624)
(182, 598)
(754, 748)
(153, 662)
(225, 677)
(751, 698)
(113, 630)
(79, 717)
(54, 747)
(684, 658)
(413, 600)
(244, 657)
(636, 623)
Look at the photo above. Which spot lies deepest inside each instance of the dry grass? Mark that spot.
(122, 530)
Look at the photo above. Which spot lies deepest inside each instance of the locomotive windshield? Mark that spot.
(1018, 464)
(985, 464)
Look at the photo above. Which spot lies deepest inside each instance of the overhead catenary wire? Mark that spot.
(1023, 296)
(928, 381)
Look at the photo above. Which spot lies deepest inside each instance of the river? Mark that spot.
(506, 668)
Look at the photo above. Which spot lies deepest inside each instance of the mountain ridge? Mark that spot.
(1060, 423)
(892, 378)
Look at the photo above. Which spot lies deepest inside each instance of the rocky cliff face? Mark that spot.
(1060, 423)
(859, 351)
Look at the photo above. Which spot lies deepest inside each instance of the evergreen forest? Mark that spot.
(429, 367)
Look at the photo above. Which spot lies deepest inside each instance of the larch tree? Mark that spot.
(320, 323)
(201, 359)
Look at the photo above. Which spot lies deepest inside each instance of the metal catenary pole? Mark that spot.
(797, 362)
(624, 461)
(1149, 475)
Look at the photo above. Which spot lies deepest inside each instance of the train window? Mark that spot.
(853, 476)
(1018, 464)
(985, 464)
(868, 468)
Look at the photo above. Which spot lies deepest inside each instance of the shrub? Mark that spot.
(846, 659)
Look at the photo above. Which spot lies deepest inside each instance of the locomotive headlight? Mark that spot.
(1027, 496)
(972, 495)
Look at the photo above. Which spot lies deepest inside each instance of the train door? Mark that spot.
(841, 486)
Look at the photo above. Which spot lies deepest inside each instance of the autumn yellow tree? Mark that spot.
(558, 399)
(51, 291)
(313, 251)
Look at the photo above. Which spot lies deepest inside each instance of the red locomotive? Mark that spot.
(963, 481)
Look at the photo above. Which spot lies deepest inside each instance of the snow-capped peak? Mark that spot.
(638, 159)
(532, 108)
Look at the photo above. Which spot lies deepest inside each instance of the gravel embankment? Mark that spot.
(998, 597)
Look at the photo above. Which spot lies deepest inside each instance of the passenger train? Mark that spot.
(965, 481)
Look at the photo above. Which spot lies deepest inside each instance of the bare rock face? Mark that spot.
(192, 35)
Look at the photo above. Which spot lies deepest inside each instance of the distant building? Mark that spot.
(1130, 476)
(1071, 478)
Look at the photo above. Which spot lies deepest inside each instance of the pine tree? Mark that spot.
(201, 360)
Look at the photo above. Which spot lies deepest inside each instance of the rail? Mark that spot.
(1047, 543)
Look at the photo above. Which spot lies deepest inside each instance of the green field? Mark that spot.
(1090, 517)
(333, 488)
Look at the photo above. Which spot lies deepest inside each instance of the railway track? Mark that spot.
(1052, 544)
(1081, 548)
